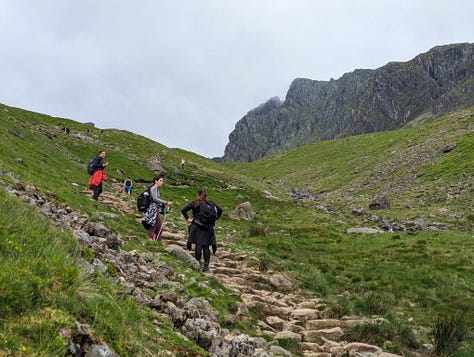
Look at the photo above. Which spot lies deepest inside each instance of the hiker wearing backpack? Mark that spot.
(127, 186)
(96, 169)
(156, 207)
(201, 229)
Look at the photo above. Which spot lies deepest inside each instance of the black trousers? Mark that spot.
(97, 191)
(199, 250)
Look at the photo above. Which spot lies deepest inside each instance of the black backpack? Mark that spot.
(208, 212)
(91, 166)
(144, 200)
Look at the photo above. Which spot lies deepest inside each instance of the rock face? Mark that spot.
(363, 101)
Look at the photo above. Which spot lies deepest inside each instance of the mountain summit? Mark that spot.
(363, 101)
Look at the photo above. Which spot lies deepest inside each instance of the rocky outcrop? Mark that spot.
(399, 93)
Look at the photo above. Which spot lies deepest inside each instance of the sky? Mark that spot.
(184, 72)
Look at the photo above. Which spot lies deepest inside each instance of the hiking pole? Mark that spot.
(163, 222)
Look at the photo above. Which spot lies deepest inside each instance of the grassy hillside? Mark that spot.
(38, 153)
(407, 166)
(412, 277)
(424, 271)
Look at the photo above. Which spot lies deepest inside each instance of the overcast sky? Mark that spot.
(183, 72)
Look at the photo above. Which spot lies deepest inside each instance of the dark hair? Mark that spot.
(202, 196)
(157, 177)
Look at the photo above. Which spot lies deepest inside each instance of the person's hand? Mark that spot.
(106, 164)
(214, 248)
(169, 203)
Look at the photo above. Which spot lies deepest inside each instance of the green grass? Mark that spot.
(411, 278)
(449, 332)
(35, 259)
(408, 166)
(42, 293)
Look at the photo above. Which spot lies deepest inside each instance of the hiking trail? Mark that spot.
(283, 313)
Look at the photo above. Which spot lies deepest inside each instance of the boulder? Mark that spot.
(242, 211)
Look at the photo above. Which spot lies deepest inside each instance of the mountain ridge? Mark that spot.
(433, 83)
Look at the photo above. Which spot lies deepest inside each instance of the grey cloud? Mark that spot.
(179, 70)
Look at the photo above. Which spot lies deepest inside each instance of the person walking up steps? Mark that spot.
(98, 174)
(127, 186)
(201, 229)
(157, 207)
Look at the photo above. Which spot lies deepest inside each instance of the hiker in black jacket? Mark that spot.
(98, 165)
(201, 231)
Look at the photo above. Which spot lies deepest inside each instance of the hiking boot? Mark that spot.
(205, 268)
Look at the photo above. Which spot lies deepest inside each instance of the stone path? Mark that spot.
(283, 314)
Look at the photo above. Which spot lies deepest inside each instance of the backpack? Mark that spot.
(208, 212)
(91, 166)
(144, 200)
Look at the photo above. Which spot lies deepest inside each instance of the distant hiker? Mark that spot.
(157, 206)
(96, 169)
(201, 229)
(182, 163)
(67, 130)
(127, 186)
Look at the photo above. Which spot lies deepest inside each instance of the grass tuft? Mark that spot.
(259, 230)
(449, 332)
(374, 303)
(264, 262)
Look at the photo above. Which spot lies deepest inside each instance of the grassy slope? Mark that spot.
(36, 151)
(407, 166)
(421, 273)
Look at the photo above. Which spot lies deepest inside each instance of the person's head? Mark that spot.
(201, 196)
(102, 153)
(158, 180)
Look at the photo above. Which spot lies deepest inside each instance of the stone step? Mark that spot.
(322, 324)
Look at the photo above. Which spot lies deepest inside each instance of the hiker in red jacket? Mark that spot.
(95, 182)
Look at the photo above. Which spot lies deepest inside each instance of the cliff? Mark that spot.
(363, 101)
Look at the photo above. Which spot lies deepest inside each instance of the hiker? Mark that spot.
(157, 207)
(201, 230)
(127, 186)
(182, 163)
(95, 182)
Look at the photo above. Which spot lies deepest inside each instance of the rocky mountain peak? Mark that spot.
(266, 107)
(433, 83)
